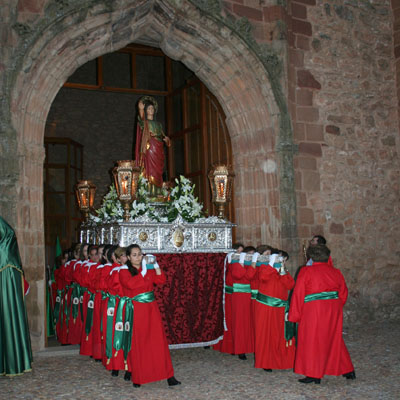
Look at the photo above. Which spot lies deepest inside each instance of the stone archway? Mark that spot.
(218, 56)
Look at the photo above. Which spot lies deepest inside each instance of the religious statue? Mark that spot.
(149, 149)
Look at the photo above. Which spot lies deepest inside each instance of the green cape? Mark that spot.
(15, 344)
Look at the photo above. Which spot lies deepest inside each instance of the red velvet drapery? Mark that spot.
(191, 300)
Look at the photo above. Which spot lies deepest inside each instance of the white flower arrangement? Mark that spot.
(182, 202)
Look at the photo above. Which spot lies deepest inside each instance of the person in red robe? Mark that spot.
(88, 282)
(226, 344)
(240, 337)
(62, 303)
(102, 284)
(75, 321)
(317, 306)
(147, 347)
(114, 358)
(272, 350)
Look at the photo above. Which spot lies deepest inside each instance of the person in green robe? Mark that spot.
(15, 344)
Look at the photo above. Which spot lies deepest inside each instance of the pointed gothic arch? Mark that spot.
(217, 55)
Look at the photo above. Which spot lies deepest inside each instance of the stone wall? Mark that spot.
(396, 40)
(345, 116)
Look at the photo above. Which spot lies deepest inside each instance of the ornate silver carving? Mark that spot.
(178, 236)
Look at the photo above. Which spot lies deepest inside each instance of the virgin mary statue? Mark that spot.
(149, 149)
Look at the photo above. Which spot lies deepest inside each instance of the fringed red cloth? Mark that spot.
(191, 300)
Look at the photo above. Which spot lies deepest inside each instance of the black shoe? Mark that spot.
(114, 372)
(350, 375)
(267, 369)
(206, 347)
(173, 381)
(127, 376)
(97, 359)
(308, 379)
(242, 357)
(136, 385)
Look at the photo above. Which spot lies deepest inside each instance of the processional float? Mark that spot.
(166, 224)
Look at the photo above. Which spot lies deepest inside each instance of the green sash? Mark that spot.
(75, 299)
(238, 288)
(254, 293)
(89, 314)
(110, 318)
(290, 327)
(127, 337)
(60, 294)
(82, 291)
(119, 325)
(271, 301)
(321, 296)
(67, 306)
(123, 329)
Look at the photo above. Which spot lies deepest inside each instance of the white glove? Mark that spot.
(144, 268)
(242, 257)
(272, 259)
(255, 256)
(156, 266)
(229, 257)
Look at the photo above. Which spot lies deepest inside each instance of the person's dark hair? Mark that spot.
(104, 259)
(249, 248)
(81, 257)
(236, 246)
(68, 253)
(110, 253)
(58, 261)
(318, 253)
(320, 239)
(274, 250)
(284, 254)
(131, 268)
(263, 248)
(76, 248)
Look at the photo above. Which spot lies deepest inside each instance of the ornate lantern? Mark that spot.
(85, 192)
(221, 179)
(126, 177)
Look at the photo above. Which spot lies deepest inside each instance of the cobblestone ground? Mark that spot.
(206, 374)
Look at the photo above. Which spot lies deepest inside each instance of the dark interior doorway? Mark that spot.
(96, 108)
